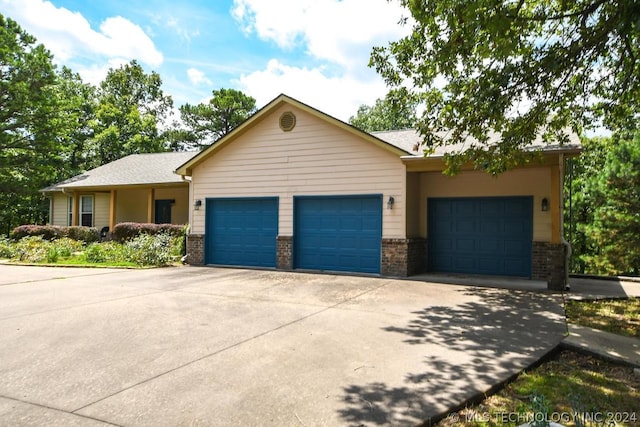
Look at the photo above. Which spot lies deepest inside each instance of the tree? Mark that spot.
(397, 110)
(29, 125)
(518, 68)
(131, 108)
(583, 198)
(205, 123)
(615, 230)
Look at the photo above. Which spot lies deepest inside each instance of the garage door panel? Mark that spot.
(241, 231)
(347, 238)
(480, 235)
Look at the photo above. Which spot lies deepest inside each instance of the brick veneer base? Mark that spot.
(284, 254)
(402, 257)
(195, 249)
(549, 264)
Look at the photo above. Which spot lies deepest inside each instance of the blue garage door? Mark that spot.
(490, 235)
(242, 231)
(338, 233)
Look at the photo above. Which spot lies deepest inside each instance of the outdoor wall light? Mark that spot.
(390, 202)
(197, 204)
(545, 205)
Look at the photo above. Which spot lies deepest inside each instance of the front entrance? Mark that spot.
(163, 211)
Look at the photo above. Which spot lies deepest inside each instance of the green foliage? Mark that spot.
(107, 252)
(518, 68)
(152, 250)
(398, 110)
(83, 234)
(7, 249)
(32, 249)
(29, 126)
(130, 107)
(203, 124)
(51, 232)
(615, 230)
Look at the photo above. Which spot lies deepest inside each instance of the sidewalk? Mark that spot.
(603, 344)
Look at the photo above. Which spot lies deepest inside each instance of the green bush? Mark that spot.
(67, 246)
(7, 248)
(106, 252)
(52, 254)
(152, 250)
(32, 249)
(84, 234)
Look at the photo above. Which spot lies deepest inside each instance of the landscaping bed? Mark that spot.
(569, 388)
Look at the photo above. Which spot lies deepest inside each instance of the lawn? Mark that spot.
(566, 384)
(621, 316)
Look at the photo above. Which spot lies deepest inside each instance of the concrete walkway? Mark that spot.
(603, 344)
(211, 346)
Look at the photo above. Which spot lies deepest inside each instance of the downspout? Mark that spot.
(567, 245)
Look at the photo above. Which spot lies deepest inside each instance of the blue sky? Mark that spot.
(314, 50)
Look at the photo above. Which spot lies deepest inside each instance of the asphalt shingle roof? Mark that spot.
(135, 169)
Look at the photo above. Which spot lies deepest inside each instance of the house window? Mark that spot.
(86, 211)
(70, 211)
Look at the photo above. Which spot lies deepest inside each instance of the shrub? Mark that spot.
(7, 249)
(32, 249)
(52, 254)
(127, 231)
(48, 232)
(67, 246)
(51, 232)
(84, 234)
(106, 252)
(151, 250)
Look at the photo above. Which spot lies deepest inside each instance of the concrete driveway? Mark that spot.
(209, 346)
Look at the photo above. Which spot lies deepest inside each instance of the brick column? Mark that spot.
(549, 264)
(402, 257)
(195, 249)
(284, 253)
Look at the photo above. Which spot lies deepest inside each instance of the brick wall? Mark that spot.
(402, 257)
(284, 254)
(549, 264)
(195, 249)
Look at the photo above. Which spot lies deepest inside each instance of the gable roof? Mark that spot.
(411, 141)
(135, 169)
(186, 168)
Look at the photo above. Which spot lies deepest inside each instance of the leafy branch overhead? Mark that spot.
(520, 68)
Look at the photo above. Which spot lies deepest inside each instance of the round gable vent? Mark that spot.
(287, 121)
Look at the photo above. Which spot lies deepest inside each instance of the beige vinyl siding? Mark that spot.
(316, 158)
(60, 209)
(180, 210)
(534, 182)
(101, 203)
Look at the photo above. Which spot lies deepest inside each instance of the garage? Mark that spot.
(338, 233)
(241, 231)
(484, 235)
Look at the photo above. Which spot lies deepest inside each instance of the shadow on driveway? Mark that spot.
(480, 344)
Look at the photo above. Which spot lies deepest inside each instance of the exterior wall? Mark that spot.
(315, 158)
(131, 205)
(534, 182)
(101, 203)
(180, 210)
(60, 209)
(402, 257)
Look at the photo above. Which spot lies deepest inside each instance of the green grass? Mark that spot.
(620, 316)
(569, 382)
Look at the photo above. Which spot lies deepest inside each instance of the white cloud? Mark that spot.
(338, 96)
(69, 35)
(197, 77)
(339, 31)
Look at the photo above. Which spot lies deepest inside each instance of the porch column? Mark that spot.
(150, 205)
(112, 209)
(75, 213)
